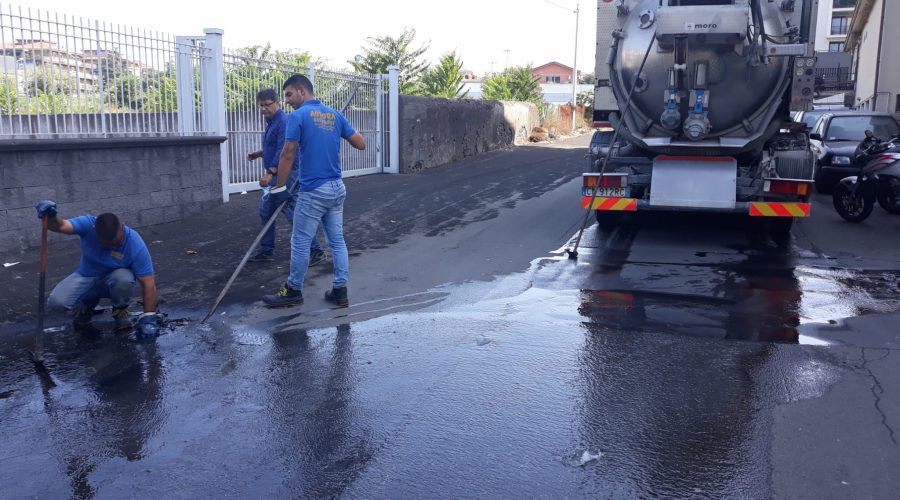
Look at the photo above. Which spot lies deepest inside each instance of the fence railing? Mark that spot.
(66, 76)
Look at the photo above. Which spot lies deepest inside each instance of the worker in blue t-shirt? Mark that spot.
(113, 256)
(315, 130)
(273, 141)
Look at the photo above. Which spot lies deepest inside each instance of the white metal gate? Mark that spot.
(365, 100)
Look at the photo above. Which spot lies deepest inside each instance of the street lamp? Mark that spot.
(574, 61)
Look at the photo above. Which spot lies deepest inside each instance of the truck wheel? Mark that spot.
(607, 219)
(780, 231)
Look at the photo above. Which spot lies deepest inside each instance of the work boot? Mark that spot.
(261, 257)
(122, 318)
(83, 317)
(286, 296)
(316, 256)
(338, 296)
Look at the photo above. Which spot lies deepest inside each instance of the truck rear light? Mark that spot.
(786, 187)
(608, 180)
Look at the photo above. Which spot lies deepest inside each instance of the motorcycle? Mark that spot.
(878, 179)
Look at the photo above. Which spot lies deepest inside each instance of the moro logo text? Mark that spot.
(700, 26)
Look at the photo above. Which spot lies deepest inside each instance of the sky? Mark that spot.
(534, 31)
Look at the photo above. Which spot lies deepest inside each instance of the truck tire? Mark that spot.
(780, 231)
(607, 219)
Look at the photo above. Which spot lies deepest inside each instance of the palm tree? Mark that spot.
(385, 51)
(445, 79)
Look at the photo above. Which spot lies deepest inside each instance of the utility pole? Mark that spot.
(575, 71)
(492, 67)
(505, 66)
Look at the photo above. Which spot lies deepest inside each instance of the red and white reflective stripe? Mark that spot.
(767, 209)
(610, 204)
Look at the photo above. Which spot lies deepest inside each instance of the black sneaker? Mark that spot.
(338, 296)
(261, 257)
(286, 296)
(316, 256)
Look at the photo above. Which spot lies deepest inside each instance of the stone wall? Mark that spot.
(143, 181)
(438, 131)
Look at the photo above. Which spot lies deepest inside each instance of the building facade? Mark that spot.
(553, 72)
(872, 42)
(833, 24)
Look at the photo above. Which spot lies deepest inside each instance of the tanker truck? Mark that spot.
(698, 95)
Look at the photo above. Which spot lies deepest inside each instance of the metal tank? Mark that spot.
(711, 77)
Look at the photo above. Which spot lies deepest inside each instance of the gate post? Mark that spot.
(184, 83)
(311, 73)
(213, 93)
(379, 122)
(394, 120)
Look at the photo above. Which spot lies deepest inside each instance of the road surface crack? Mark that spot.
(878, 390)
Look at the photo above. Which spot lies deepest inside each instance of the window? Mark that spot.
(853, 128)
(552, 79)
(843, 4)
(840, 25)
(835, 46)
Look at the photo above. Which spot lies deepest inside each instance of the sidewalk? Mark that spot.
(194, 257)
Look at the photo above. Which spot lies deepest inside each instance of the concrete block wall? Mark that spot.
(143, 182)
(438, 131)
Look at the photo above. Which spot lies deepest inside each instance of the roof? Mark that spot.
(550, 63)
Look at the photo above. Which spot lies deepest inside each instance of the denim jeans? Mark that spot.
(266, 209)
(77, 291)
(324, 204)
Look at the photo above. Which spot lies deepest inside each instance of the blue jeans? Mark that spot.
(77, 291)
(266, 209)
(325, 204)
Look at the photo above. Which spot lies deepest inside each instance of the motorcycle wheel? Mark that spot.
(853, 208)
(889, 199)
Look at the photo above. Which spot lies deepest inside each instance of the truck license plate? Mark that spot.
(607, 192)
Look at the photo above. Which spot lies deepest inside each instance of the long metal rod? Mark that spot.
(573, 253)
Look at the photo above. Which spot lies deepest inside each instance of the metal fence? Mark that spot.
(360, 97)
(66, 76)
(69, 77)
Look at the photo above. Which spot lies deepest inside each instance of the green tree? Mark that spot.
(445, 79)
(9, 100)
(514, 84)
(385, 51)
(49, 81)
(250, 69)
(110, 66)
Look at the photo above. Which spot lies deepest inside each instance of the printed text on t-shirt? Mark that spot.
(324, 121)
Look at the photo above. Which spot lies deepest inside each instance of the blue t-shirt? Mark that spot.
(273, 143)
(319, 130)
(100, 261)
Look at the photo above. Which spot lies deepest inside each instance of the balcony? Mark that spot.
(843, 4)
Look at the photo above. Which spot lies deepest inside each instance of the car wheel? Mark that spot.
(823, 183)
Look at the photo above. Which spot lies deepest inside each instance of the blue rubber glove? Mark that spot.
(148, 325)
(46, 208)
(279, 197)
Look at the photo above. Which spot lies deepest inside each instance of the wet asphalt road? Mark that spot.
(677, 357)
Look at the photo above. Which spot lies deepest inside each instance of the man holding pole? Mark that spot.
(315, 130)
(273, 142)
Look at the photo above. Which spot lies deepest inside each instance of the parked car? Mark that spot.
(809, 117)
(834, 138)
(600, 142)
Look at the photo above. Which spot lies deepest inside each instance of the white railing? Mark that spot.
(64, 76)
